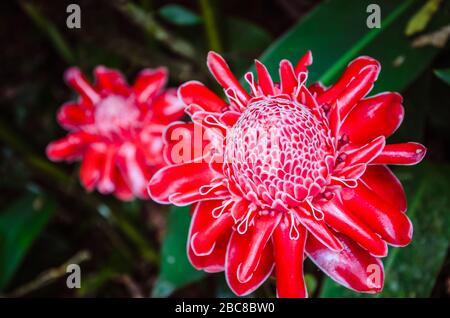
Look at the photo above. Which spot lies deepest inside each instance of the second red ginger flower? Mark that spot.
(289, 172)
(116, 129)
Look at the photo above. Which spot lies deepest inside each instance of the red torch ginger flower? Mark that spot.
(116, 129)
(289, 172)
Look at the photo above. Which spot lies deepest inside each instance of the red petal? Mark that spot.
(382, 181)
(90, 170)
(214, 262)
(111, 80)
(408, 153)
(353, 267)
(393, 225)
(357, 89)
(194, 92)
(75, 78)
(287, 77)
(320, 230)
(354, 83)
(262, 233)
(304, 97)
(122, 190)
(183, 179)
(230, 118)
(151, 145)
(182, 199)
(207, 229)
(71, 115)
(303, 63)
(149, 83)
(375, 116)
(334, 118)
(264, 79)
(106, 182)
(70, 147)
(317, 88)
(237, 252)
(352, 172)
(345, 222)
(289, 262)
(240, 208)
(221, 71)
(366, 153)
(181, 144)
(132, 165)
(167, 107)
(215, 131)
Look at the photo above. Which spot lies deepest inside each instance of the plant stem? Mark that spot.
(212, 31)
(45, 167)
(49, 30)
(148, 253)
(50, 275)
(148, 23)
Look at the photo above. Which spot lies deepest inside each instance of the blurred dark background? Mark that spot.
(116, 242)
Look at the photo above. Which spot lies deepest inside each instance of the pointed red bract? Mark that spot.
(347, 223)
(239, 246)
(219, 68)
(374, 116)
(196, 93)
(289, 254)
(353, 268)
(408, 153)
(212, 257)
(382, 181)
(169, 183)
(390, 223)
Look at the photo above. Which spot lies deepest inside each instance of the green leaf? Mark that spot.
(411, 271)
(175, 269)
(311, 283)
(336, 32)
(420, 20)
(179, 15)
(417, 101)
(250, 37)
(20, 225)
(443, 75)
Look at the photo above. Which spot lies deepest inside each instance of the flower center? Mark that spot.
(115, 113)
(277, 154)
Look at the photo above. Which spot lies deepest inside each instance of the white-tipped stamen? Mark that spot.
(221, 209)
(294, 234)
(233, 98)
(244, 222)
(206, 189)
(250, 79)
